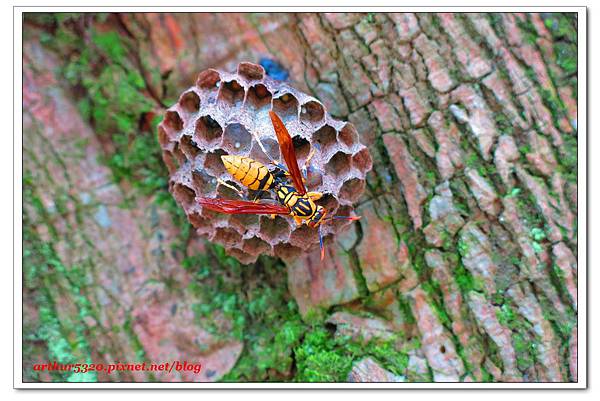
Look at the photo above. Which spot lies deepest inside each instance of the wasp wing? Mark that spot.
(289, 153)
(230, 206)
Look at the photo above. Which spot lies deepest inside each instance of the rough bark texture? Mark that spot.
(463, 267)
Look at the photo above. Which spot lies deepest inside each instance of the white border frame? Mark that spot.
(581, 200)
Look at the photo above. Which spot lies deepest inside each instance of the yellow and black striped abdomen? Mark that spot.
(248, 172)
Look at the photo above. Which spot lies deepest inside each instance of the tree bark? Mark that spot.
(462, 268)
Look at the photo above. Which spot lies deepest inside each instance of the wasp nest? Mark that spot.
(222, 115)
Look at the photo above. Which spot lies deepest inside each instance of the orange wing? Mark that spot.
(287, 150)
(230, 206)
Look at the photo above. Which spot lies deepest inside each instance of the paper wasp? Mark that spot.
(294, 200)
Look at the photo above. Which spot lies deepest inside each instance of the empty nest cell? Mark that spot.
(208, 131)
(312, 112)
(189, 147)
(251, 71)
(258, 97)
(348, 135)
(213, 164)
(339, 165)
(190, 102)
(227, 236)
(302, 148)
(271, 147)
(274, 230)
(304, 237)
(183, 194)
(362, 160)
(237, 139)
(202, 182)
(231, 93)
(244, 223)
(325, 138)
(352, 189)
(255, 246)
(208, 79)
(287, 251)
(173, 120)
(286, 106)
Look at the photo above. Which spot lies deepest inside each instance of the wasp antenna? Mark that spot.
(351, 218)
(321, 244)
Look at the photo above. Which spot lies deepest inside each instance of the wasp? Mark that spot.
(293, 200)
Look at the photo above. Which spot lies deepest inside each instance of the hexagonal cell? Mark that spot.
(338, 165)
(213, 163)
(179, 156)
(258, 97)
(273, 230)
(325, 137)
(183, 194)
(199, 221)
(272, 148)
(163, 137)
(251, 71)
(208, 79)
(304, 237)
(173, 120)
(231, 93)
(255, 246)
(208, 131)
(189, 147)
(244, 222)
(202, 182)
(170, 161)
(348, 135)
(312, 112)
(302, 148)
(190, 102)
(240, 255)
(362, 160)
(314, 179)
(228, 193)
(236, 139)
(352, 189)
(286, 106)
(287, 251)
(216, 219)
(227, 236)
(329, 202)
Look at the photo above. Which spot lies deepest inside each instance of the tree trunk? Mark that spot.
(463, 267)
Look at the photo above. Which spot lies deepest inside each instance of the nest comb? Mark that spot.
(222, 114)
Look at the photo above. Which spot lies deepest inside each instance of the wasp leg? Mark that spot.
(257, 196)
(262, 147)
(238, 191)
(306, 166)
(314, 195)
(298, 220)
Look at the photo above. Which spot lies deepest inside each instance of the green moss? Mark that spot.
(528, 31)
(319, 360)
(323, 357)
(432, 289)
(464, 279)
(405, 310)
(525, 351)
(562, 25)
(65, 337)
